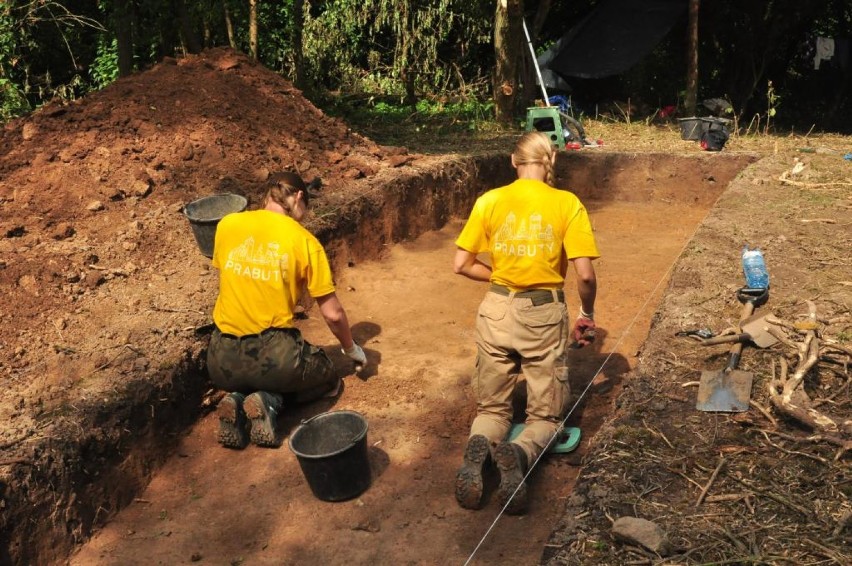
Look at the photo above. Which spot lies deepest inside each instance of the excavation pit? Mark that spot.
(415, 319)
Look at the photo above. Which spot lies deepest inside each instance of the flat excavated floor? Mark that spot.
(209, 505)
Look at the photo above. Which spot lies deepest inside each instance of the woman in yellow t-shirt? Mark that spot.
(265, 258)
(531, 232)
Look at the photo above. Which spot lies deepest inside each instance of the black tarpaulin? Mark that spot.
(616, 35)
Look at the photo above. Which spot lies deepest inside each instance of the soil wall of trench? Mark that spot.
(86, 467)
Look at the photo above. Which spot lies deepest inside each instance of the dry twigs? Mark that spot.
(786, 392)
(785, 179)
(710, 482)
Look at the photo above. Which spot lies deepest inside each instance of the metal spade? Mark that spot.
(729, 390)
(754, 330)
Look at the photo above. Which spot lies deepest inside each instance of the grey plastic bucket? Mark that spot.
(332, 452)
(205, 213)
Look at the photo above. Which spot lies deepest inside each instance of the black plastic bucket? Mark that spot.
(205, 213)
(332, 452)
(692, 128)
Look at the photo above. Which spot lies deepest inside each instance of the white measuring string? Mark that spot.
(561, 426)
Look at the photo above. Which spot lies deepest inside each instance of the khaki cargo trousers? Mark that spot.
(522, 333)
(277, 360)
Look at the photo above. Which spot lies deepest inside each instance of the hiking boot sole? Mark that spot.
(264, 428)
(469, 483)
(512, 489)
(232, 423)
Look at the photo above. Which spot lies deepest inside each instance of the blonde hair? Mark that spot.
(536, 147)
(283, 184)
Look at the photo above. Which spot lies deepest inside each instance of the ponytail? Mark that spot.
(536, 147)
(283, 184)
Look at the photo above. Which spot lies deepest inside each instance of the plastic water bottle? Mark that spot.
(754, 269)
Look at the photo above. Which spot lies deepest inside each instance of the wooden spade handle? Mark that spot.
(737, 349)
(726, 339)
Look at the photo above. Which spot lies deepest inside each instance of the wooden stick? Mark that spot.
(763, 411)
(805, 454)
(12, 461)
(710, 482)
(726, 497)
(774, 496)
(832, 346)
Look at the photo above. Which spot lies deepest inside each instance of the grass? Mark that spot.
(467, 126)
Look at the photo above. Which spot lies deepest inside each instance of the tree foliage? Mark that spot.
(398, 47)
(44, 47)
(406, 50)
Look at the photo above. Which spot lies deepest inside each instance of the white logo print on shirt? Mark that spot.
(259, 261)
(523, 239)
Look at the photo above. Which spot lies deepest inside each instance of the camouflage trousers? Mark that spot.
(277, 360)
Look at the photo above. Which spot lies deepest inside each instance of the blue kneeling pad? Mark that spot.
(567, 441)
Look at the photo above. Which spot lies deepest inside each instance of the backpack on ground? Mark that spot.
(714, 140)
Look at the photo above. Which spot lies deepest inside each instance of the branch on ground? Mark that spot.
(786, 391)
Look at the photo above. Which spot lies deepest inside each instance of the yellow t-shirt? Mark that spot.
(264, 259)
(525, 226)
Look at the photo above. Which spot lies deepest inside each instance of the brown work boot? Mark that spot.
(233, 431)
(512, 463)
(262, 410)
(469, 482)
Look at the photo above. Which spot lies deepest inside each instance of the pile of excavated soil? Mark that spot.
(91, 193)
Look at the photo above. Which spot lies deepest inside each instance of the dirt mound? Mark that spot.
(206, 124)
(78, 177)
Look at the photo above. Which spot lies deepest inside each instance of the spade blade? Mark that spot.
(725, 391)
(756, 327)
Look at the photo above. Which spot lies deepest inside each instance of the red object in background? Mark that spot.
(572, 145)
(600, 142)
(667, 111)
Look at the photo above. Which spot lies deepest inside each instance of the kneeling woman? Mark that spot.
(531, 231)
(265, 258)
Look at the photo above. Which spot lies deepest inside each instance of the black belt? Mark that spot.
(250, 336)
(537, 296)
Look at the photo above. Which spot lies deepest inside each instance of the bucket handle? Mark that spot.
(306, 421)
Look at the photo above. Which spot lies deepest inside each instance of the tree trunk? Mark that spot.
(298, 64)
(692, 59)
(229, 25)
(540, 17)
(124, 37)
(253, 29)
(507, 32)
(188, 36)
